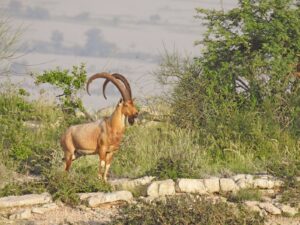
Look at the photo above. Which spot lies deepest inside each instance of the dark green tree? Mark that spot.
(249, 62)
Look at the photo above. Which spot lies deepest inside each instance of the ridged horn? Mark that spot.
(109, 77)
(121, 78)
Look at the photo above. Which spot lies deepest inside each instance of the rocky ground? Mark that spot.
(100, 208)
(65, 215)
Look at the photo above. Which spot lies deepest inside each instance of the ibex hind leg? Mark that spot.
(69, 150)
(68, 160)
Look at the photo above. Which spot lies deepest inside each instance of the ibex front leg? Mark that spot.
(102, 157)
(109, 157)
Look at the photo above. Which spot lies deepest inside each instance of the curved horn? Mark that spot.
(109, 77)
(121, 78)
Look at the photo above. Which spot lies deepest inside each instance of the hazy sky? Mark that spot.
(128, 37)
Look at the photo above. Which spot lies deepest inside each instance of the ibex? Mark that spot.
(104, 137)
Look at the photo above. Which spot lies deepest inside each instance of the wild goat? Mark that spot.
(104, 137)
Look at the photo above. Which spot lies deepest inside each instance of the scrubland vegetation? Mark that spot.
(234, 109)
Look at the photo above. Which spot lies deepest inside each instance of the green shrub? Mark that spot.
(172, 167)
(19, 188)
(69, 82)
(186, 210)
(65, 186)
(245, 195)
(240, 96)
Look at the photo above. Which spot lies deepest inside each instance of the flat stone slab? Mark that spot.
(270, 208)
(161, 188)
(228, 185)
(291, 211)
(45, 208)
(21, 214)
(85, 196)
(24, 200)
(99, 198)
(131, 184)
(212, 184)
(191, 186)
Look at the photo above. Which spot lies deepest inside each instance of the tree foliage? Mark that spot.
(249, 62)
(70, 83)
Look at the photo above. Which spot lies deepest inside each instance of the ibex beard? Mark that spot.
(104, 137)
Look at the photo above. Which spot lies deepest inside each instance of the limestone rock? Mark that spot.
(228, 184)
(212, 184)
(45, 208)
(278, 183)
(238, 177)
(24, 200)
(191, 186)
(21, 214)
(253, 206)
(161, 188)
(270, 208)
(266, 199)
(291, 211)
(263, 183)
(101, 198)
(129, 185)
(245, 182)
(85, 196)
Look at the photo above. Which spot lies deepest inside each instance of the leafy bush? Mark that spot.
(186, 210)
(250, 55)
(65, 186)
(241, 96)
(21, 146)
(69, 82)
(171, 167)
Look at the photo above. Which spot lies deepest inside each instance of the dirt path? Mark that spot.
(283, 221)
(81, 215)
(65, 215)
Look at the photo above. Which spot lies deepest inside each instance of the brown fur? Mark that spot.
(102, 138)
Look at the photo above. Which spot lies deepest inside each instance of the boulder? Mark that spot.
(253, 206)
(263, 183)
(228, 185)
(21, 214)
(212, 184)
(85, 196)
(278, 183)
(102, 198)
(290, 211)
(238, 177)
(191, 186)
(161, 188)
(24, 200)
(132, 185)
(270, 208)
(245, 182)
(45, 208)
